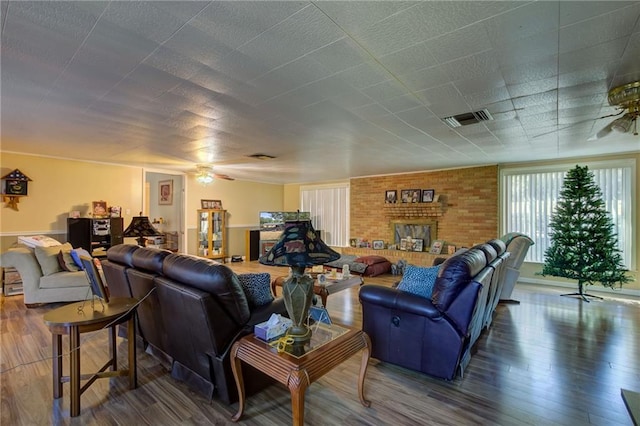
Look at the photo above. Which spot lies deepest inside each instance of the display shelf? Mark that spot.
(212, 233)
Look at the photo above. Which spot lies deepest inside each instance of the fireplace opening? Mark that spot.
(415, 229)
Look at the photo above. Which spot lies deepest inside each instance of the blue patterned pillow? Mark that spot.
(257, 288)
(419, 280)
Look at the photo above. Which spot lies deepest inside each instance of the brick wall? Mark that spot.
(468, 197)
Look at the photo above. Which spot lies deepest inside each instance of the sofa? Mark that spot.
(518, 245)
(194, 309)
(43, 280)
(433, 335)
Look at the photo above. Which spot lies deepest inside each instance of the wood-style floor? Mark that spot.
(551, 360)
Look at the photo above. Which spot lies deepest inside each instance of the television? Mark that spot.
(274, 221)
(95, 280)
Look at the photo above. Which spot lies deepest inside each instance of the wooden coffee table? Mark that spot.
(330, 346)
(324, 290)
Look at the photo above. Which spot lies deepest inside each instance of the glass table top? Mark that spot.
(321, 334)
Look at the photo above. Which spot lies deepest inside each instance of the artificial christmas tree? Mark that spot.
(584, 246)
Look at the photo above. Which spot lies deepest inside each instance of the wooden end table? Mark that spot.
(324, 290)
(330, 346)
(77, 318)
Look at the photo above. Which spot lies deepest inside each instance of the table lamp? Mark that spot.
(139, 228)
(298, 247)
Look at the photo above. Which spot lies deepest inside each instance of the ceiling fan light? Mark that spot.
(622, 124)
(204, 178)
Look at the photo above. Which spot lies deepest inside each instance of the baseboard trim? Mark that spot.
(592, 289)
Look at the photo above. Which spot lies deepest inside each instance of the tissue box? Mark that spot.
(268, 332)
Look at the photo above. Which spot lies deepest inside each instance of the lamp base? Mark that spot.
(142, 241)
(297, 292)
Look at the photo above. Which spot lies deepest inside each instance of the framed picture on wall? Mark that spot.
(99, 209)
(427, 195)
(165, 192)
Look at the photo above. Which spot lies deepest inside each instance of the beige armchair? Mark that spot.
(518, 246)
(41, 288)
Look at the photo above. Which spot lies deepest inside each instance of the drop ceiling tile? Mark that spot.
(340, 55)
(236, 23)
(365, 75)
(601, 29)
(466, 41)
(540, 46)
(144, 20)
(522, 22)
(292, 38)
(539, 71)
(385, 90)
(198, 45)
(401, 103)
(356, 16)
(408, 60)
(576, 12)
(532, 87)
(175, 63)
(444, 101)
(592, 57)
(426, 78)
(474, 66)
(370, 112)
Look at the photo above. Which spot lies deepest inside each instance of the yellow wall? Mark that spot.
(60, 186)
(243, 201)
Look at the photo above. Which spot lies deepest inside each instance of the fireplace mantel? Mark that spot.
(411, 210)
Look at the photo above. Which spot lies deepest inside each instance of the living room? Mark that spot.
(98, 96)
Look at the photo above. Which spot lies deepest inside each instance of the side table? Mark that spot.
(330, 346)
(83, 317)
(324, 290)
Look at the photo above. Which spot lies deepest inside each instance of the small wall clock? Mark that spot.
(16, 185)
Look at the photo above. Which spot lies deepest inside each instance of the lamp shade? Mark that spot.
(139, 228)
(299, 245)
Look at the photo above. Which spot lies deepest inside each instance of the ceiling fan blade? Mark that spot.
(602, 133)
(225, 177)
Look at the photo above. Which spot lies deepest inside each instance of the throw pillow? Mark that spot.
(371, 260)
(66, 261)
(76, 253)
(419, 280)
(257, 288)
(48, 258)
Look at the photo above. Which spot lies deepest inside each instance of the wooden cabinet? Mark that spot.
(95, 235)
(212, 233)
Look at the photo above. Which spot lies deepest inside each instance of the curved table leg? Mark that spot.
(366, 354)
(297, 384)
(237, 375)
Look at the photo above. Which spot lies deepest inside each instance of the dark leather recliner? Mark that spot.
(119, 259)
(147, 264)
(205, 312)
(196, 312)
(430, 336)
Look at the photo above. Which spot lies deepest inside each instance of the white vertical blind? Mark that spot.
(329, 209)
(530, 196)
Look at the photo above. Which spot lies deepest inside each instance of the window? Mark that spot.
(530, 195)
(329, 208)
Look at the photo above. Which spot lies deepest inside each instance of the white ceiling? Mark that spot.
(332, 89)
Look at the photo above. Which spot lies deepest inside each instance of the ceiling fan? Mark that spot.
(205, 174)
(627, 99)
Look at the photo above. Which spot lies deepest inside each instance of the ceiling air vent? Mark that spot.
(468, 118)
